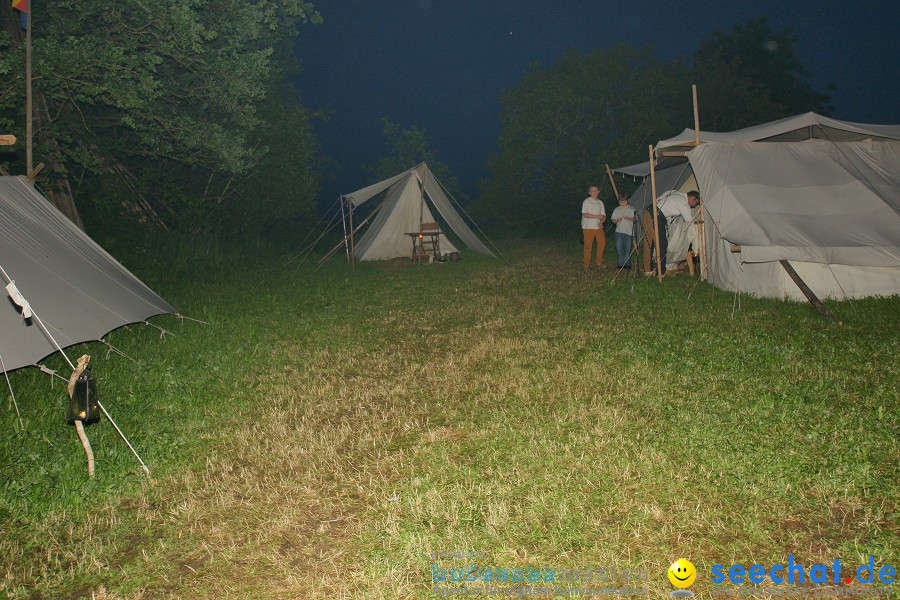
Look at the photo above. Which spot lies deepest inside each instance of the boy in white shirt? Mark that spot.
(593, 214)
(624, 217)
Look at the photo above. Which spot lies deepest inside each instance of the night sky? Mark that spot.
(442, 65)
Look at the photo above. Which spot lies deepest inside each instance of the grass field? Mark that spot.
(329, 432)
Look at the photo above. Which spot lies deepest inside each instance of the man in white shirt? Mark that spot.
(624, 217)
(593, 214)
(670, 205)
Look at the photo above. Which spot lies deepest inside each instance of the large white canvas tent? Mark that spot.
(821, 193)
(74, 287)
(407, 205)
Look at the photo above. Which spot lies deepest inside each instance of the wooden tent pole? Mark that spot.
(696, 115)
(613, 182)
(29, 129)
(701, 224)
(352, 246)
(331, 252)
(344, 223)
(813, 299)
(659, 275)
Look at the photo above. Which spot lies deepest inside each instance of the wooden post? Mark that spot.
(29, 133)
(7, 140)
(86, 444)
(702, 234)
(659, 274)
(613, 182)
(696, 115)
(702, 221)
(344, 223)
(813, 299)
(352, 247)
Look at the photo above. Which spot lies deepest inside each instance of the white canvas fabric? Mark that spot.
(75, 287)
(831, 208)
(410, 197)
(816, 191)
(791, 129)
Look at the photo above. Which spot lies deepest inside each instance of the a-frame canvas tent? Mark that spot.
(821, 193)
(410, 199)
(74, 287)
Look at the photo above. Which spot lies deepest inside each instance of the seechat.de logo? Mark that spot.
(795, 573)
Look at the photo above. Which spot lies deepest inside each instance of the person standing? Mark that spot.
(593, 215)
(624, 218)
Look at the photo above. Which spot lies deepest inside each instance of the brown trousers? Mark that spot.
(589, 236)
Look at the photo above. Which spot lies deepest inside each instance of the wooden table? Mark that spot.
(417, 238)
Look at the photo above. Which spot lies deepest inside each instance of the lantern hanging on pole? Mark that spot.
(84, 404)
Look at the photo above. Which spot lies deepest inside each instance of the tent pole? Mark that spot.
(352, 246)
(813, 299)
(331, 252)
(613, 182)
(29, 127)
(696, 115)
(659, 275)
(701, 223)
(344, 223)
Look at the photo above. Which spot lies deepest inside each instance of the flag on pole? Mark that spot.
(21, 5)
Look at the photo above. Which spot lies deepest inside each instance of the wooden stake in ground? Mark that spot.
(813, 299)
(659, 275)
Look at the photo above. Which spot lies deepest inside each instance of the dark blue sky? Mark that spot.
(441, 65)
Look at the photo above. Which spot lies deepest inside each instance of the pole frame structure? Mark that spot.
(659, 274)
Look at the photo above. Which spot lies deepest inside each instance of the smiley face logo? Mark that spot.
(682, 573)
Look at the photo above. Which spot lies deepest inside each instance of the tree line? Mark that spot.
(179, 114)
(562, 122)
(182, 115)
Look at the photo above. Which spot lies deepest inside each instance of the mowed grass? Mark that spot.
(328, 431)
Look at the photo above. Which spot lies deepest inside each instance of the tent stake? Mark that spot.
(813, 299)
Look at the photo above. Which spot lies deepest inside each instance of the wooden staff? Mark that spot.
(659, 275)
(29, 130)
(701, 224)
(613, 182)
(344, 224)
(79, 426)
(352, 247)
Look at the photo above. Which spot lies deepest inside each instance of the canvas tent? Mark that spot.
(77, 290)
(821, 193)
(409, 201)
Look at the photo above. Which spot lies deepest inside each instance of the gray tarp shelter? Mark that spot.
(410, 196)
(821, 193)
(75, 287)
